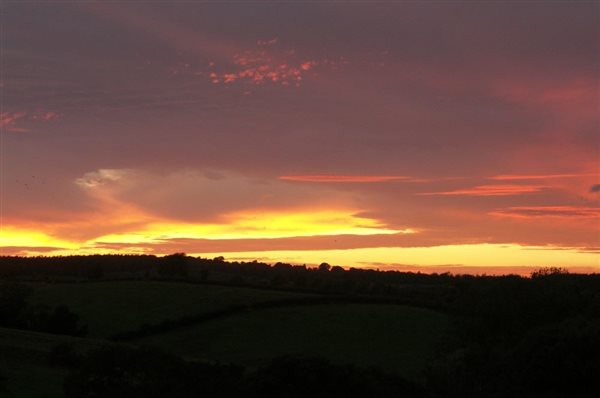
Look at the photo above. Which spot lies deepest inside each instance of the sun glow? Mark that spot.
(493, 257)
(17, 237)
(259, 225)
(240, 225)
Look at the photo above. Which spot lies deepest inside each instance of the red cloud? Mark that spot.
(491, 190)
(259, 68)
(8, 120)
(267, 65)
(342, 178)
(505, 177)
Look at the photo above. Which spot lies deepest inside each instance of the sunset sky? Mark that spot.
(428, 136)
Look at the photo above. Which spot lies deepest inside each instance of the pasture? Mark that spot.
(392, 337)
(112, 307)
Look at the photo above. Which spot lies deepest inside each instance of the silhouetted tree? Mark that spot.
(60, 321)
(324, 267)
(14, 305)
(17, 312)
(292, 377)
(174, 265)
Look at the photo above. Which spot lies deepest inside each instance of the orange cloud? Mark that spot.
(505, 177)
(527, 212)
(117, 231)
(128, 207)
(258, 67)
(491, 190)
(342, 178)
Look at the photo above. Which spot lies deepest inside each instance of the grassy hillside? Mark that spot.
(24, 362)
(393, 337)
(117, 306)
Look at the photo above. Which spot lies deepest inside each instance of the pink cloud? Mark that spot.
(11, 120)
(8, 121)
(47, 116)
(267, 42)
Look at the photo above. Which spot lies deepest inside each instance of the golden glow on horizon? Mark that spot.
(438, 258)
(489, 255)
(272, 225)
(252, 225)
(17, 237)
(259, 225)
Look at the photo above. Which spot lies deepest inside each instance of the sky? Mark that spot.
(423, 136)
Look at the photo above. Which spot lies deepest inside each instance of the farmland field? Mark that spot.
(24, 362)
(393, 337)
(112, 307)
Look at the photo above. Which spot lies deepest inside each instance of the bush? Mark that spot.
(119, 372)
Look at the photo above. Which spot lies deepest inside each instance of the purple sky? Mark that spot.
(254, 127)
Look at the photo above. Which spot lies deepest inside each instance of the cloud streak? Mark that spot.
(13, 121)
(534, 212)
(343, 178)
(491, 190)
(513, 177)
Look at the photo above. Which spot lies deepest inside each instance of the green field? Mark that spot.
(113, 307)
(393, 337)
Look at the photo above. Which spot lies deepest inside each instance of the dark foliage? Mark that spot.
(291, 377)
(517, 337)
(64, 356)
(17, 312)
(555, 361)
(14, 304)
(130, 373)
(174, 265)
(118, 372)
(432, 291)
